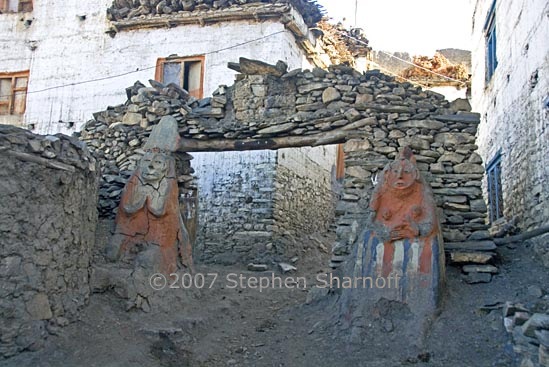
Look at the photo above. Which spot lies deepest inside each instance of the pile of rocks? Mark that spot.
(530, 334)
(48, 194)
(115, 138)
(128, 9)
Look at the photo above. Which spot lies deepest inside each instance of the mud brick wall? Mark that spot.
(48, 190)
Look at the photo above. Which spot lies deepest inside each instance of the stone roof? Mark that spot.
(121, 10)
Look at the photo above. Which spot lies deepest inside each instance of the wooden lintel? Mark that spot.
(218, 145)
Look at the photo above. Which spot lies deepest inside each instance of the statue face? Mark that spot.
(401, 174)
(154, 167)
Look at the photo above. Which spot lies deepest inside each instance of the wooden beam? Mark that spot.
(217, 145)
(521, 237)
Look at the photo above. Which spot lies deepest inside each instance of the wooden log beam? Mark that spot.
(218, 145)
(521, 237)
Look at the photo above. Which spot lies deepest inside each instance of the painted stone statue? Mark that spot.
(149, 226)
(401, 242)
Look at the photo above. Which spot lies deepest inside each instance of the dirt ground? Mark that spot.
(227, 326)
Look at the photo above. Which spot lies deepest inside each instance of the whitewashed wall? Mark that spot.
(235, 188)
(70, 50)
(515, 116)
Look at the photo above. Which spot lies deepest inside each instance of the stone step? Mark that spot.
(471, 245)
(475, 277)
(480, 269)
(464, 257)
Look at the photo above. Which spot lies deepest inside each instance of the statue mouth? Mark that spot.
(401, 184)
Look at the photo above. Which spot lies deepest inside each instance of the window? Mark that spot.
(340, 163)
(15, 6)
(186, 72)
(13, 92)
(495, 193)
(490, 34)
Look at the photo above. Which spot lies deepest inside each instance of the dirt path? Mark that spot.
(223, 326)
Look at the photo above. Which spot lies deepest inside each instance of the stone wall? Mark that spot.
(515, 108)
(235, 205)
(269, 107)
(48, 190)
(304, 199)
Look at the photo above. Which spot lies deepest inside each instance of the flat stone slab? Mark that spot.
(460, 117)
(480, 269)
(471, 245)
(471, 257)
(475, 278)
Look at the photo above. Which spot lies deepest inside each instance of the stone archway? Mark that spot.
(270, 108)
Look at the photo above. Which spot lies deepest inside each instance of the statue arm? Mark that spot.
(157, 202)
(133, 198)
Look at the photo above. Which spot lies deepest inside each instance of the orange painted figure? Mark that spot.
(403, 237)
(149, 226)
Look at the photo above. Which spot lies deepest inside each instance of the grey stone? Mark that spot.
(364, 98)
(303, 89)
(479, 235)
(277, 129)
(460, 117)
(421, 124)
(471, 245)
(414, 143)
(538, 321)
(452, 139)
(460, 104)
(285, 268)
(471, 257)
(330, 94)
(132, 118)
(451, 157)
(257, 267)
(39, 307)
(474, 278)
(468, 168)
(535, 291)
(480, 269)
(543, 337)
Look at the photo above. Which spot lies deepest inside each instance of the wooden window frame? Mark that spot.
(20, 4)
(160, 69)
(491, 42)
(340, 163)
(13, 90)
(495, 188)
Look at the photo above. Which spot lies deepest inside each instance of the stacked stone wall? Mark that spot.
(375, 114)
(48, 190)
(304, 201)
(235, 205)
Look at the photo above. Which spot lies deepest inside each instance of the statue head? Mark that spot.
(402, 173)
(154, 167)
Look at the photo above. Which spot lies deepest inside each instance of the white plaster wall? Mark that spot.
(450, 92)
(70, 50)
(299, 160)
(515, 119)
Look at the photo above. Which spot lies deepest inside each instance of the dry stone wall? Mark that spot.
(235, 205)
(48, 190)
(375, 114)
(304, 201)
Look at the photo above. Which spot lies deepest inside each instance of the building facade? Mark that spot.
(510, 86)
(62, 61)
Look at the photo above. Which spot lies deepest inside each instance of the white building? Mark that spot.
(510, 87)
(62, 60)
